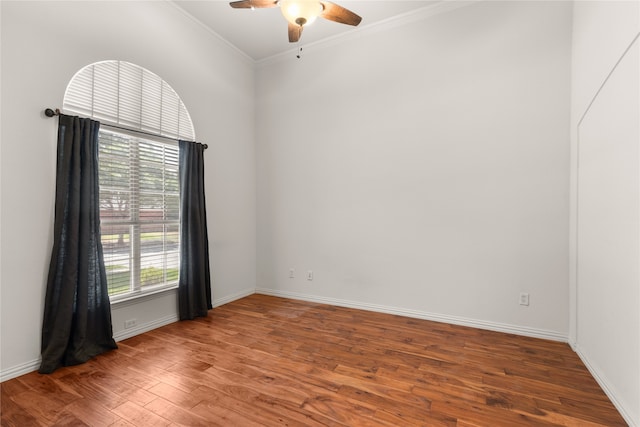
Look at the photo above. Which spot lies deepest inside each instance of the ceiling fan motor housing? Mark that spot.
(301, 12)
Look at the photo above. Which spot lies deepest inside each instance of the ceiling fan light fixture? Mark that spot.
(300, 12)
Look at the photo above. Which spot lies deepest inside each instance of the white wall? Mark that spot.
(43, 45)
(423, 170)
(605, 219)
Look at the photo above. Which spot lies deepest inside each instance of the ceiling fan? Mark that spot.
(300, 13)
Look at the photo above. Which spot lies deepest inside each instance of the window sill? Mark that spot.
(133, 298)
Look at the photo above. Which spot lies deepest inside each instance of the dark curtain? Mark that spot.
(194, 290)
(77, 313)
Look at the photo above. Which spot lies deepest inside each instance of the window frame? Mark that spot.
(136, 287)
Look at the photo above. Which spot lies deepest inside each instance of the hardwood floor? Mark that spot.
(266, 361)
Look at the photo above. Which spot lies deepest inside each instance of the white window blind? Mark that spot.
(125, 94)
(139, 213)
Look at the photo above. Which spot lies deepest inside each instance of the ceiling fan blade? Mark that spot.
(334, 12)
(295, 32)
(253, 4)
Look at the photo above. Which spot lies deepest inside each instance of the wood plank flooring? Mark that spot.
(266, 361)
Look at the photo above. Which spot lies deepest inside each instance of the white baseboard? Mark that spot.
(33, 365)
(230, 298)
(21, 369)
(144, 327)
(606, 387)
(480, 324)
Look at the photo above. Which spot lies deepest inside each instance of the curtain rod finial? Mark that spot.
(50, 113)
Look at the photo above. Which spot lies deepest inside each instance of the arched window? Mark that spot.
(126, 94)
(139, 189)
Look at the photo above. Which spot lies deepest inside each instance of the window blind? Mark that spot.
(128, 95)
(139, 212)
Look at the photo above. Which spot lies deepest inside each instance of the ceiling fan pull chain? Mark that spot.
(299, 55)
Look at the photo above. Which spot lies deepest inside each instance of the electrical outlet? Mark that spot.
(130, 323)
(524, 299)
(292, 273)
(310, 275)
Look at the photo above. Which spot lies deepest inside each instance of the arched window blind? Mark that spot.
(128, 95)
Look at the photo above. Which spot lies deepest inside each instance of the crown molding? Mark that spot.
(246, 58)
(406, 18)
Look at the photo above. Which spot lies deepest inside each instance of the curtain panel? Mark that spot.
(77, 312)
(194, 289)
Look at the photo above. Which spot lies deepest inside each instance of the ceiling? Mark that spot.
(262, 33)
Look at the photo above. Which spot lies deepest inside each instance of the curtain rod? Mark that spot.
(51, 113)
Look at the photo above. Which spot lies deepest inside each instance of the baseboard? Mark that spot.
(145, 327)
(606, 387)
(27, 367)
(230, 298)
(33, 365)
(21, 369)
(461, 321)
